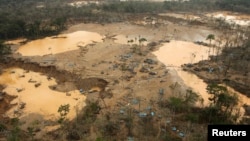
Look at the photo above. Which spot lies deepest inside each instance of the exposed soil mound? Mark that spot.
(60, 75)
(4, 102)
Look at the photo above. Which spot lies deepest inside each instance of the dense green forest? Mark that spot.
(234, 5)
(27, 19)
(39, 18)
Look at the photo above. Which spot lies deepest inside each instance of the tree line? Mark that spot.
(180, 6)
(39, 18)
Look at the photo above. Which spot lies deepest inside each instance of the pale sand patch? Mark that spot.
(231, 17)
(59, 44)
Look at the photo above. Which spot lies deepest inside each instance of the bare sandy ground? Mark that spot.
(107, 45)
(150, 32)
(104, 52)
(231, 17)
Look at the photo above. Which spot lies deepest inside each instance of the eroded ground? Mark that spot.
(108, 62)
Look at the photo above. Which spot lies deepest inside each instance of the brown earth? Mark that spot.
(119, 70)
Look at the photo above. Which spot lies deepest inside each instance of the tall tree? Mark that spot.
(222, 98)
(210, 37)
(4, 49)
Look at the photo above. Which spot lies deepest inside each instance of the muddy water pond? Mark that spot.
(33, 90)
(34, 95)
(59, 44)
(45, 101)
(176, 53)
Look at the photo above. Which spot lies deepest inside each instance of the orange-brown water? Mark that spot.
(59, 44)
(39, 100)
(176, 53)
